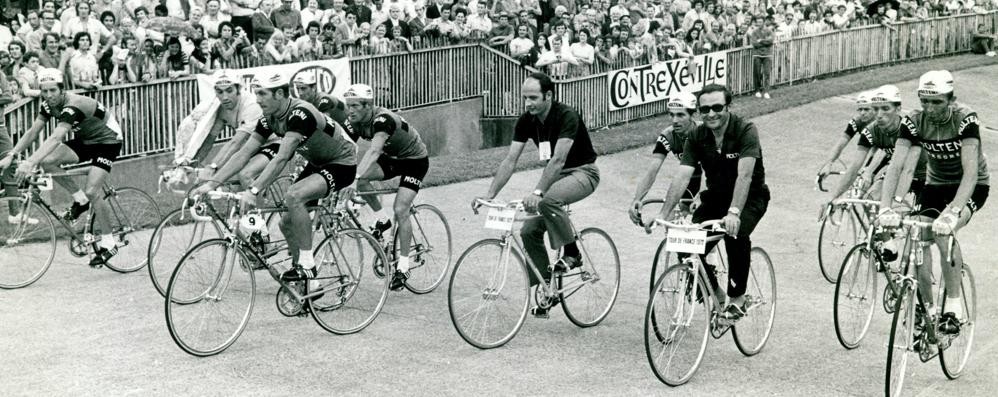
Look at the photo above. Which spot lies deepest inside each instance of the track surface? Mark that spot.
(83, 332)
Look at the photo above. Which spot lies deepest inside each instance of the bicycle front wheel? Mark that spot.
(839, 232)
(752, 331)
(901, 341)
(855, 296)
(597, 281)
(354, 295)
(430, 249)
(488, 294)
(134, 217)
(27, 247)
(677, 322)
(954, 358)
(174, 236)
(210, 298)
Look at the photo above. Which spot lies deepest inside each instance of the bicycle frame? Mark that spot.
(33, 195)
(913, 253)
(700, 276)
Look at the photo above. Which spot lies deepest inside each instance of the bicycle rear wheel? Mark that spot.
(26, 249)
(430, 249)
(901, 341)
(354, 295)
(752, 331)
(176, 234)
(134, 217)
(488, 294)
(210, 298)
(855, 296)
(839, 232)
(599, 276)
(675, 343)
(954, 358)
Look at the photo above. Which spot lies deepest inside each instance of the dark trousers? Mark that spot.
(715, 206)
(761, 68)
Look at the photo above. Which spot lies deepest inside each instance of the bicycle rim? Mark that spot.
(134, 217)
(589, 303)
(210, 298)
(26, 250)
(430, 250)
(676, 342)
(901, 341)
(488, 294)
(954, 358)
(174, 236)
(752, 331)
(838, 234)
(855, 296)
(353, 295)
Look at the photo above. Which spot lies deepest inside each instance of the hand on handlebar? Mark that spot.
(731, 223)
(475, 205)
(247, 200)
(945, 224)
(202, 189)
(24, 169)
(635, 213)
(889, 218)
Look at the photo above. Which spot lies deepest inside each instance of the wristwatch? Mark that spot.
(734, 211)
(254, 190)
(955, 210)
(538, 193)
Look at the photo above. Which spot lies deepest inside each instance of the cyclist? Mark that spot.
(331, 156)
(681, 107)
(396, 150)
(728, 149)
(238, 110)
(96, 138)
(957, 184)
(876, 140)
(864, 116)
(305, 85)
(570, 175)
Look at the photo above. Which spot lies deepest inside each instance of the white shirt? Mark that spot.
(520, 46)
(584, 52)
(480, 23)
(309, 16)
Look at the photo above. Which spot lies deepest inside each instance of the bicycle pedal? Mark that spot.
(539, 312)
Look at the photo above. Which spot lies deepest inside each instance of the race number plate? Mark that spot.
(686, 241)
(45, 183)
(500, 219)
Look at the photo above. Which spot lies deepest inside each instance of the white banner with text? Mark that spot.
(656, 82)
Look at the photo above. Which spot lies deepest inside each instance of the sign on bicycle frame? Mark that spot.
(686, 241)
(500, 219)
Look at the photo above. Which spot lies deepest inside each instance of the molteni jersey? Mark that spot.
(89, 120)
(943, 141)
(325, 140)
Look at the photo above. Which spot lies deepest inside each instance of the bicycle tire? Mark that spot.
(345, 308)
(603, 269)
(134, 210)
(427, 270)
(752, 332)
(500, 285)
(963, 344)
(902, 325)
(857, 283)
(831, 234)
(179, 232)
(688, 312)
(23, 265)
(187, 294)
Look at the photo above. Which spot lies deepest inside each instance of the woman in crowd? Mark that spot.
(51, 55)
(378, 43)
(27, 77)
(83, 71)
(16, 50)
(201, 60)
(583, 51)
(105, 61)
(312, 13)
(399, 43)
(277, 51)
(695, 42)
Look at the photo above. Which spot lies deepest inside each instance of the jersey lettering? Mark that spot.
(664, 142)
(967, 121)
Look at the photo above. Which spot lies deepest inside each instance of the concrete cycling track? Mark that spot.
(83, 332)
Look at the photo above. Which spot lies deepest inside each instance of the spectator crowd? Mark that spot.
(102, 42)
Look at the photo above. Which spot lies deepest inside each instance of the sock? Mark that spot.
(306, 259)
(403, 265)
(571, 249)
(106, 242)
(382, 215)
(955, 306)
(80, 197)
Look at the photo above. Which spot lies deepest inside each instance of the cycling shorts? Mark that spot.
(337, 176)
(100, 155)
(269, 150)
(411, 171)
(934, 198)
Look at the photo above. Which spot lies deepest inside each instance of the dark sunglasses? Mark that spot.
(927, 101)
(716, 108)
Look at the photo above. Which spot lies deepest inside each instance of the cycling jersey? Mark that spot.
(855, 126)
(91, 123)
(243, 117)
(403, 140)
(942, 141)
(669, 140)
(332, 106)
(875, 136)
(325, 140)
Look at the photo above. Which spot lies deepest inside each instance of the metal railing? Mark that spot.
(150, 113)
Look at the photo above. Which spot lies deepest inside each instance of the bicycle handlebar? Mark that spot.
(820, 179)
(212, 195)
(715, 225)
(840, 201)
(515, 204)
